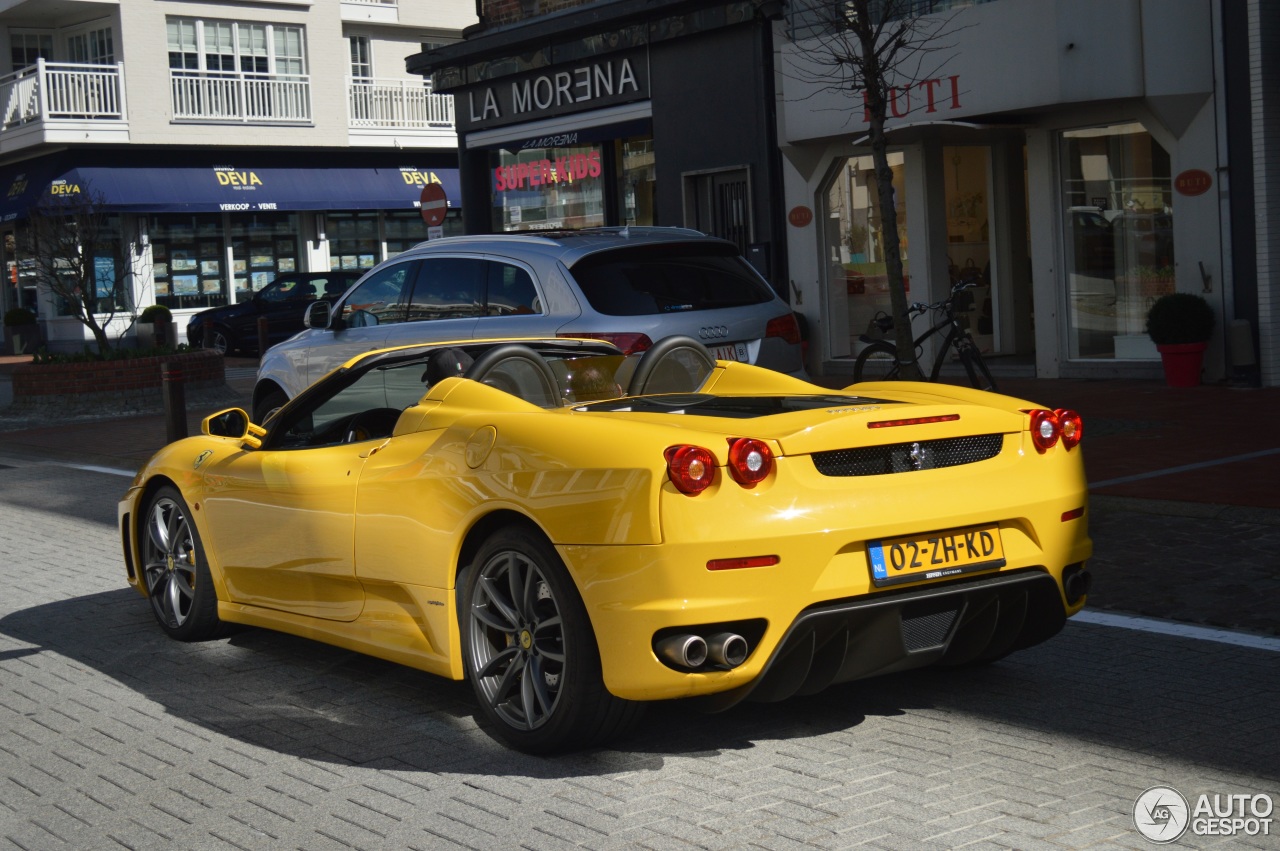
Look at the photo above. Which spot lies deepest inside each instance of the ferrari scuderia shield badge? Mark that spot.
(201, 458)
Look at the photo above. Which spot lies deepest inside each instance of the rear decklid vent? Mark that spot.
(908, 457)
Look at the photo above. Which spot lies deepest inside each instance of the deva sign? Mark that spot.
(61, 187)
(236, 179)
(413, 177)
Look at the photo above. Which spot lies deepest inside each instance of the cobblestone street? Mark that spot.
(113, 735)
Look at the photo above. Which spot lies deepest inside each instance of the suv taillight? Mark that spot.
(629, 343)
(784, 326)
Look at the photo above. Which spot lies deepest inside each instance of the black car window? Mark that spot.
(655, 279)
(287, 289)
(448, 288)
(511, 291)
(379, 300)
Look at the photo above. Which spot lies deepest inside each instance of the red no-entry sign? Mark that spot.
(434, 204)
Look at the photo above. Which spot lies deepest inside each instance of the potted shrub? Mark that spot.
(151, 317)
(1180, 324)
(20, 330)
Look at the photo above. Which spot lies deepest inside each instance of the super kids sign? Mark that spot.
(542, 172)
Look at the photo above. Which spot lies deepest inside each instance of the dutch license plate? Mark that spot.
(935, 555)
(732, 351)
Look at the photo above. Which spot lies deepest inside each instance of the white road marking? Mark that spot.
(1124, 480)
(94, 469)
(1181, 630)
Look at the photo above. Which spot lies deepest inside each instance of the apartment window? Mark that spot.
(361, 61)
(225, 46)
(26, 47)
(94, 47)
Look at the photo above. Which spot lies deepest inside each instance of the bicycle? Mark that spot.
(879, 360)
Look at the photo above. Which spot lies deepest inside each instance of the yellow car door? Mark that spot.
(284, 528)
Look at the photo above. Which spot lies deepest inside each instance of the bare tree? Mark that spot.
(872, 50)
(78, 254)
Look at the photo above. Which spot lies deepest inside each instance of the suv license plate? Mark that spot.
(935, 555)
(732, 351)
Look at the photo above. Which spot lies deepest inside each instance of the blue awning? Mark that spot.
(210, 189)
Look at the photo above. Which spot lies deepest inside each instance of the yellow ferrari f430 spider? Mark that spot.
(577, 532)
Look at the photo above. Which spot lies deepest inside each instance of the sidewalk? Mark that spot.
(1184, 500)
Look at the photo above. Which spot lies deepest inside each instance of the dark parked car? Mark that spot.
(283, 302)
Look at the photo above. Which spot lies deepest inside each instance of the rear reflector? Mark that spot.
(629, 343)
(945, 418)
(739, 563)
(1073, 514)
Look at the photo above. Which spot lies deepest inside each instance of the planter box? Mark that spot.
(125, 384)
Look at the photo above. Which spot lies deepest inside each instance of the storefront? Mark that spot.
(1072, 192)
(601, 117)
(201, 236)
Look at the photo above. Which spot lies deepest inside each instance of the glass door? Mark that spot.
(856, 278)
(967, 194)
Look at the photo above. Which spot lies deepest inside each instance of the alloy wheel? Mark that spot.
(517, 640)
(169, 562)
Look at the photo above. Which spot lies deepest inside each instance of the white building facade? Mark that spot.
(1071, 155)
(231, 142)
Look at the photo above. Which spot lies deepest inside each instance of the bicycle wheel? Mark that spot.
(976, 367)
(877, 362)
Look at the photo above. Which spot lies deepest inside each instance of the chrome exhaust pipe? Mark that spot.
(683, 651)
(728, 649)
(1077, 586)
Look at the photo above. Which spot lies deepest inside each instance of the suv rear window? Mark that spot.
(649, 279)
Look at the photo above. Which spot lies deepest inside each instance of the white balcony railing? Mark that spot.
(238, 96)
(390, 104)
(56, 91)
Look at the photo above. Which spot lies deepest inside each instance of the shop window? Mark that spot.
(1117, 204)
(636, 180)
(857, 280)
(548, 188)
(187, 254)
(353, 240)
(263, 245)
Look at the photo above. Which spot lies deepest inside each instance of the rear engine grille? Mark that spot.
(907, 457)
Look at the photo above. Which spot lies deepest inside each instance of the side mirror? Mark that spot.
(233, 422)
(319, 315)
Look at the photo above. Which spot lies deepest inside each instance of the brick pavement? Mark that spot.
(113, 735)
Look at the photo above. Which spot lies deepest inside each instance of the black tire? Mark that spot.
(976, 368)
(220, 340)
(271, 402)
(175, 572)
(529, 650)
(877, 362)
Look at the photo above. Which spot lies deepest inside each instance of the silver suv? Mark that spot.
(630, 286)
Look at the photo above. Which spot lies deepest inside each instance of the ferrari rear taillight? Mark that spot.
(690, 468)
(629, 343)
(1071, 426)
(1048, 427)
(750, 461)
(784, 326)
(1045, 429)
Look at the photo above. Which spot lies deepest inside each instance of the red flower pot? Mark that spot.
(1182, 363)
